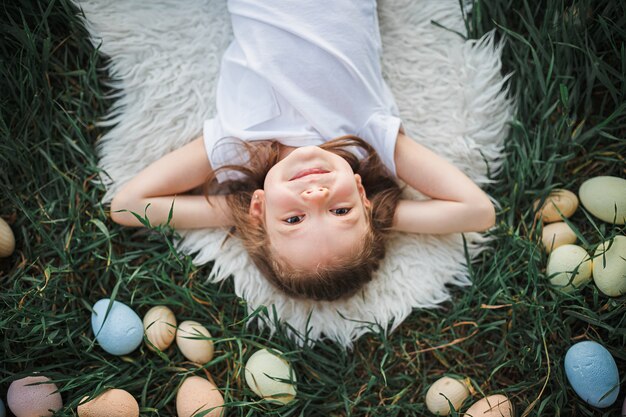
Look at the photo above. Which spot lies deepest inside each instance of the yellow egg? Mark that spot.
(197, 394)
(605, 198)
(609, 267)
(563, 261)
(111, 403)
(557, 234)
(191, 340)
(263, 372)
(565, 200)
(159, 325)
(453, 389)
(492, 406)
(7, 240)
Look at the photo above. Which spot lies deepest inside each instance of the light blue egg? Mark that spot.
(3, 411)
(592, 372)
(122, 331)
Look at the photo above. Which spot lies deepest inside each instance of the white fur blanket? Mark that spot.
(165, 58)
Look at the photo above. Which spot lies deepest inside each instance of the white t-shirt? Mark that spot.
(302, 72)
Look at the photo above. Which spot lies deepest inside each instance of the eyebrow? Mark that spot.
(292, 230)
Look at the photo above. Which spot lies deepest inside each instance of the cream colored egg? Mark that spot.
(453, 389)
(197, 394)
(601, 195)
(565, 200)
(557, 234)
(491, 406)
(262, 371)
(563, 261)
(7, 239)
(159, 325)
(609, 267)
(191, 340)
(111, 403)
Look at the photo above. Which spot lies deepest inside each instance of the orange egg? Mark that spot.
(197, 394)
(111, 403)
(566, 201)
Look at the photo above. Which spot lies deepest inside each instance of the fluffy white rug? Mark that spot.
(452, 98)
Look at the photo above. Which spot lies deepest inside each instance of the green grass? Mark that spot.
(569, 62)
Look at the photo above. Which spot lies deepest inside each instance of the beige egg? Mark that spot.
(197, 394)
(563, 261)
(159, 325)
(453, 389)
(492, 406)
(262, 371)
(565, 200)
(191, 341)
(557, 234)
(7, 239)
(609, 270)
(602, 195)
(111, 403)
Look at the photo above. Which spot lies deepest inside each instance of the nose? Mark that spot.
(316, 193)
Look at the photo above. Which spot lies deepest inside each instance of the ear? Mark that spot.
(257, 204)
(361, 189)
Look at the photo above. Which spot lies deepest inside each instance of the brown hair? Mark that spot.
(331, 281)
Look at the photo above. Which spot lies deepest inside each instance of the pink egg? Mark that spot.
(33, 400)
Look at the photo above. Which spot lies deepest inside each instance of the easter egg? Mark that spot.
(263, 372)
(111, 403)
(562, 263)
(491, 406)
(191, 340)
(453, 389)
(197, 394)
(592, 372)
(3, 411)
(564, 200)
(121, 332)
(557, 234)
(600, 195)
(624, 408)
(159, 325)
(609, 267)
(7, 239)
(26, 400)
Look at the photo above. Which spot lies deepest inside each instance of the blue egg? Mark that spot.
(122, 331)
(3, 411)
(592, 372)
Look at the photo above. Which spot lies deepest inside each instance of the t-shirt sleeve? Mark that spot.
(381, 131)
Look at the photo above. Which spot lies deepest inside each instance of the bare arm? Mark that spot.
(163, 182)
(457, 205)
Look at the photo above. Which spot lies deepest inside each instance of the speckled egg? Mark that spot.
(26, 400)
(564, 200)
(592, 372)
(159, 324)
(111, 403)
(557, 234)
(191, 340)
(453, 389)
(3, 411)
(492, 406)
(609, 267)
(122, 332)
(263, 372)
(562, 263)
(7, 239)
(197, 394)
(600, 196)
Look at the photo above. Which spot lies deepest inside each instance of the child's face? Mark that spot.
(316, 218)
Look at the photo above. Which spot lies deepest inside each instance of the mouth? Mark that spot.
(310, 171)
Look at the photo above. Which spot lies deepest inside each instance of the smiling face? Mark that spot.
(314, 208)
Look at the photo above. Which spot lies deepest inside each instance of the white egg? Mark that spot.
(159, 325)
(609, 267)
(453, 389)
(191, 340)
(262, 370)
(562, 263)
(601, 196)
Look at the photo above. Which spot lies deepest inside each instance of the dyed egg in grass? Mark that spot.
(191, 338)
(609, 267)
(7, 239)
(566, 201)
(592, 372)
(557, 234)
(624, 408)
(111, 403)
(491, 406)
(121, 332)
(562, 263)
(271, 377)
(26, 400)
(446, 387)
(159, 324)
(197, 394)
(605, 198)
(3, 411)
